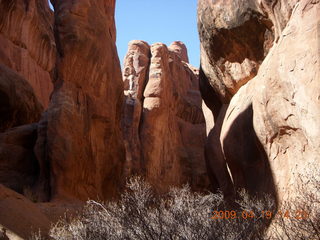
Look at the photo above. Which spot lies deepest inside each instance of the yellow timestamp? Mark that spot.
(267, 214)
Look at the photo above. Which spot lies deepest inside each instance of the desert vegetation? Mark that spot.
(183, 214)
(300, 219)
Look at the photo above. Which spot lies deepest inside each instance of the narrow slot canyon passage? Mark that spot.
(143, 119)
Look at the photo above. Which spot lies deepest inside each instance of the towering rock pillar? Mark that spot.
(164, 124)
(81, 135)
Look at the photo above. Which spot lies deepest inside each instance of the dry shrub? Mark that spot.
(181, 214)
(303, 219)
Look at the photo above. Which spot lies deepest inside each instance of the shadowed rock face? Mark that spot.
(27, 43)
(82, 140)
(18, 165)
(27, 60)
(243, 152)
(269, 130)
(18, 103)
(163, 123)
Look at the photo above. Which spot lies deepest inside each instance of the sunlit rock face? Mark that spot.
(286, 105)
(163, 124)
(235, 38)
(268, 135)
(81, 137)
(27, 43)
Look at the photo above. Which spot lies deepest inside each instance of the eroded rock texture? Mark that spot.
(18, 103)
(180, 49)
(235, 37)
(269, 130)
(27, 43)
(81, 130)
(287, 102)
(135, 77)
(164, 125)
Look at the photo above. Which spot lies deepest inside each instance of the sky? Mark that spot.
(154, 21)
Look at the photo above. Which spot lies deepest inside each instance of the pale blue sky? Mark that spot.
(158, 21)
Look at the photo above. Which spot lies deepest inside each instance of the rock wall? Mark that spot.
(18, 165)
(235, 38)
(164, 126)
(27, 43)
(18, 102)
(275, 115)
(19, 111)
(81, 137)
(287, 103)
(78, 140)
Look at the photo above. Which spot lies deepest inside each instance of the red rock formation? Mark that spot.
(18, 165)
(164, 123)
(18, 103)
(208, 117)
(235, 37)
(19, 216)
(241, 148)
(27, 43)
(286, 105)
(268, 136)
(82, 138)
(216, 163)
(135, 77)
(180, 49)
